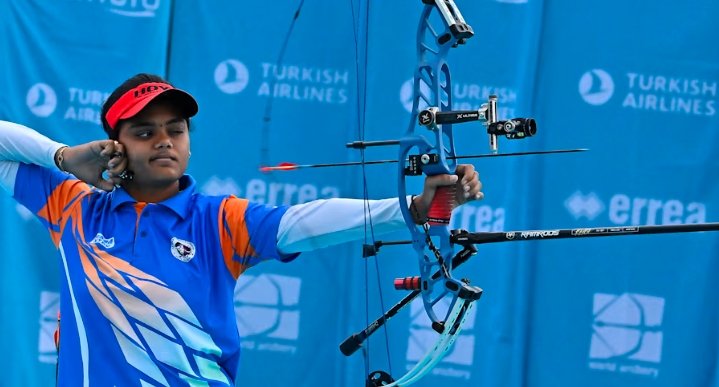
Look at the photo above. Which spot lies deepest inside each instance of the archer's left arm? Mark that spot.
(328, 222)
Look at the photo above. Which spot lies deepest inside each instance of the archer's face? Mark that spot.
(157, 145)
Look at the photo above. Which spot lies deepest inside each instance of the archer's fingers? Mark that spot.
(475, 190)
(115, 174)
(439, 180)
(104, 184)
(469, 187)
(108, 149)
(117, 163)
(466, 172)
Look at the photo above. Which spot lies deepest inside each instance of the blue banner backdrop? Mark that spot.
(60, 60)
(642, 95)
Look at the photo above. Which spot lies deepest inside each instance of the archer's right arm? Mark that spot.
(30, 171)
(20, 144)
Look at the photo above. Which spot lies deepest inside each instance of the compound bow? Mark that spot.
(447, 300)
(428, 148)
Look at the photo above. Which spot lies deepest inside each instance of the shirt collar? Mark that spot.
(178, 203)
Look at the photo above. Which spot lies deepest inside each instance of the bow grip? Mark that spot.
(444, 201)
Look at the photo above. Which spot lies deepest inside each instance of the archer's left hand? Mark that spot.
(465, 178)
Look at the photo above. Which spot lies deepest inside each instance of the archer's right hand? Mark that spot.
(89, 161)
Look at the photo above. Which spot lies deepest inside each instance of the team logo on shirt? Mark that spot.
(182, 250)
(100, 239)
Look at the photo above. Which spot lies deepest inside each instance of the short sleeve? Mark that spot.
(50, 195)
(248, 234)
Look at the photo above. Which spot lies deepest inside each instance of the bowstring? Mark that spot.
(361, 106)
(267, 117)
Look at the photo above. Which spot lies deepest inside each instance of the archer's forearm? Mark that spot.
(323, 223)
(22, 144)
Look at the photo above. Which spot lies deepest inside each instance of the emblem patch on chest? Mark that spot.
(182, 250)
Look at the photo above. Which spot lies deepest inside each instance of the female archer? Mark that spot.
(149, 264)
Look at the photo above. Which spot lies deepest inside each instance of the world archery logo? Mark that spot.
(231, 76)
(41, 100)
(458, 362)
(626, 330)
(49, 308)
(267, 312)
(24, 213)
(596, 87)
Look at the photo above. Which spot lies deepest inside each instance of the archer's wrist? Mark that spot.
(60, 158)
(418, 210)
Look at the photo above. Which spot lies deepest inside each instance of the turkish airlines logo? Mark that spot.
(135, 8)
(231, 76)
(587, 206)
(406, 95)
(627, 326)
(596, 87)
(41, 100)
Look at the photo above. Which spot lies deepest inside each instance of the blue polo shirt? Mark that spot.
(148, 293)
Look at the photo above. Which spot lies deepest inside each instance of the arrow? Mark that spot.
(287, 166)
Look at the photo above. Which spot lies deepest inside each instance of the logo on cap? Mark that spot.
(41, 100)
(134, 100)
(139, 92)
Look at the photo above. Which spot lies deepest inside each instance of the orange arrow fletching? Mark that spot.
(285, 166)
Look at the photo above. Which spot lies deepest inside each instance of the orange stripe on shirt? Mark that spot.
(59, 204)
(234, 238)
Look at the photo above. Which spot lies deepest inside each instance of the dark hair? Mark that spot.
(126, 86)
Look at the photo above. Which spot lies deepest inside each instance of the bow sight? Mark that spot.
(432, 117)
(514, 128)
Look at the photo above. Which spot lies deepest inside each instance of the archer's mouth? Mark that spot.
(163, 158)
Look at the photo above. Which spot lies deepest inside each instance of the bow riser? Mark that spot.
(432, 87)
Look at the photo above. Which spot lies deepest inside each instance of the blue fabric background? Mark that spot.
(635, 82)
